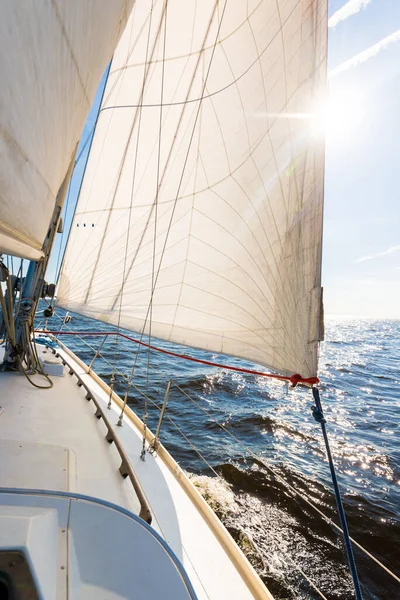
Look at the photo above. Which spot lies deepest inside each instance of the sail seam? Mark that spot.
(12, 142)
(203, 50)
(205, 97)
(121, 166)
(19, 237)
(69, 46)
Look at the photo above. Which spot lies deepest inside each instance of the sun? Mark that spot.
(340, 116)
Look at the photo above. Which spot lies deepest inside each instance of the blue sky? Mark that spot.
(361, 256)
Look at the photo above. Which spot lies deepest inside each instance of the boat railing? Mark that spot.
(125, 468)
(172, 384)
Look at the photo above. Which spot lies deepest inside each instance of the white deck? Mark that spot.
(50, 439)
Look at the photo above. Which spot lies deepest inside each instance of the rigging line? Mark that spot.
(145, 416)
(319, 417)
(181, 432)
(129, 220)
(144, 81)
(20, 274)
(131, 49)
(216, 183)
(154, 242)
(99, 354)
(96, 351)
(138, 115)
(192, 445)
(190, 54)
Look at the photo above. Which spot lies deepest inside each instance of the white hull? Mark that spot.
(51, 440)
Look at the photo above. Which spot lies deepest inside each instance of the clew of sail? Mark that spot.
(53, 54)
(201, 203)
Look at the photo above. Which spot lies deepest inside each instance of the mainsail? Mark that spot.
(53, 54)
(201, 205)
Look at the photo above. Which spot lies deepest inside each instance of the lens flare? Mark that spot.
(340, 116)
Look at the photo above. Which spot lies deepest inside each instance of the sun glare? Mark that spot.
(339, 116)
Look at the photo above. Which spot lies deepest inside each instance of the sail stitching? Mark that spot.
(18, 236)
(107, 96)
(203, 49)
(146, 74)
(145, 416)
(206, 96)
(186, 261)
(12, 143)
(69, 46)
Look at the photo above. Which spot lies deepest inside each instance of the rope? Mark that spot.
(150, 312)
(319, 417)
(292, 379)
(140, 113)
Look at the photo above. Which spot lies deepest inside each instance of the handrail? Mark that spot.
(125, 469)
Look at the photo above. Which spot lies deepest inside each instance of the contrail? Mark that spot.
(378, 255)
(366, 54)
(352, 7)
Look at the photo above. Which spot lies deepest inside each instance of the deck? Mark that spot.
(51, 440)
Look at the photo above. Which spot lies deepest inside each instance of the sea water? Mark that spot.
(270, 447)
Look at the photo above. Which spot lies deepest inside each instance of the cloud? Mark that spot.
(378, 255)
(352, 7)
(366, 54)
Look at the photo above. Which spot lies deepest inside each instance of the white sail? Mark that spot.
(202, 145)
(53, 54)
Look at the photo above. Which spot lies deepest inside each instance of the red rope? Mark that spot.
(293, 379)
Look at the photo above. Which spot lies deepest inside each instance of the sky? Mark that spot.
(361, 252)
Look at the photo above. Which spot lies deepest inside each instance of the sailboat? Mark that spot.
(199, 221)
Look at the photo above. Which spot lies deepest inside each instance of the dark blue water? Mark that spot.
(359, 369)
